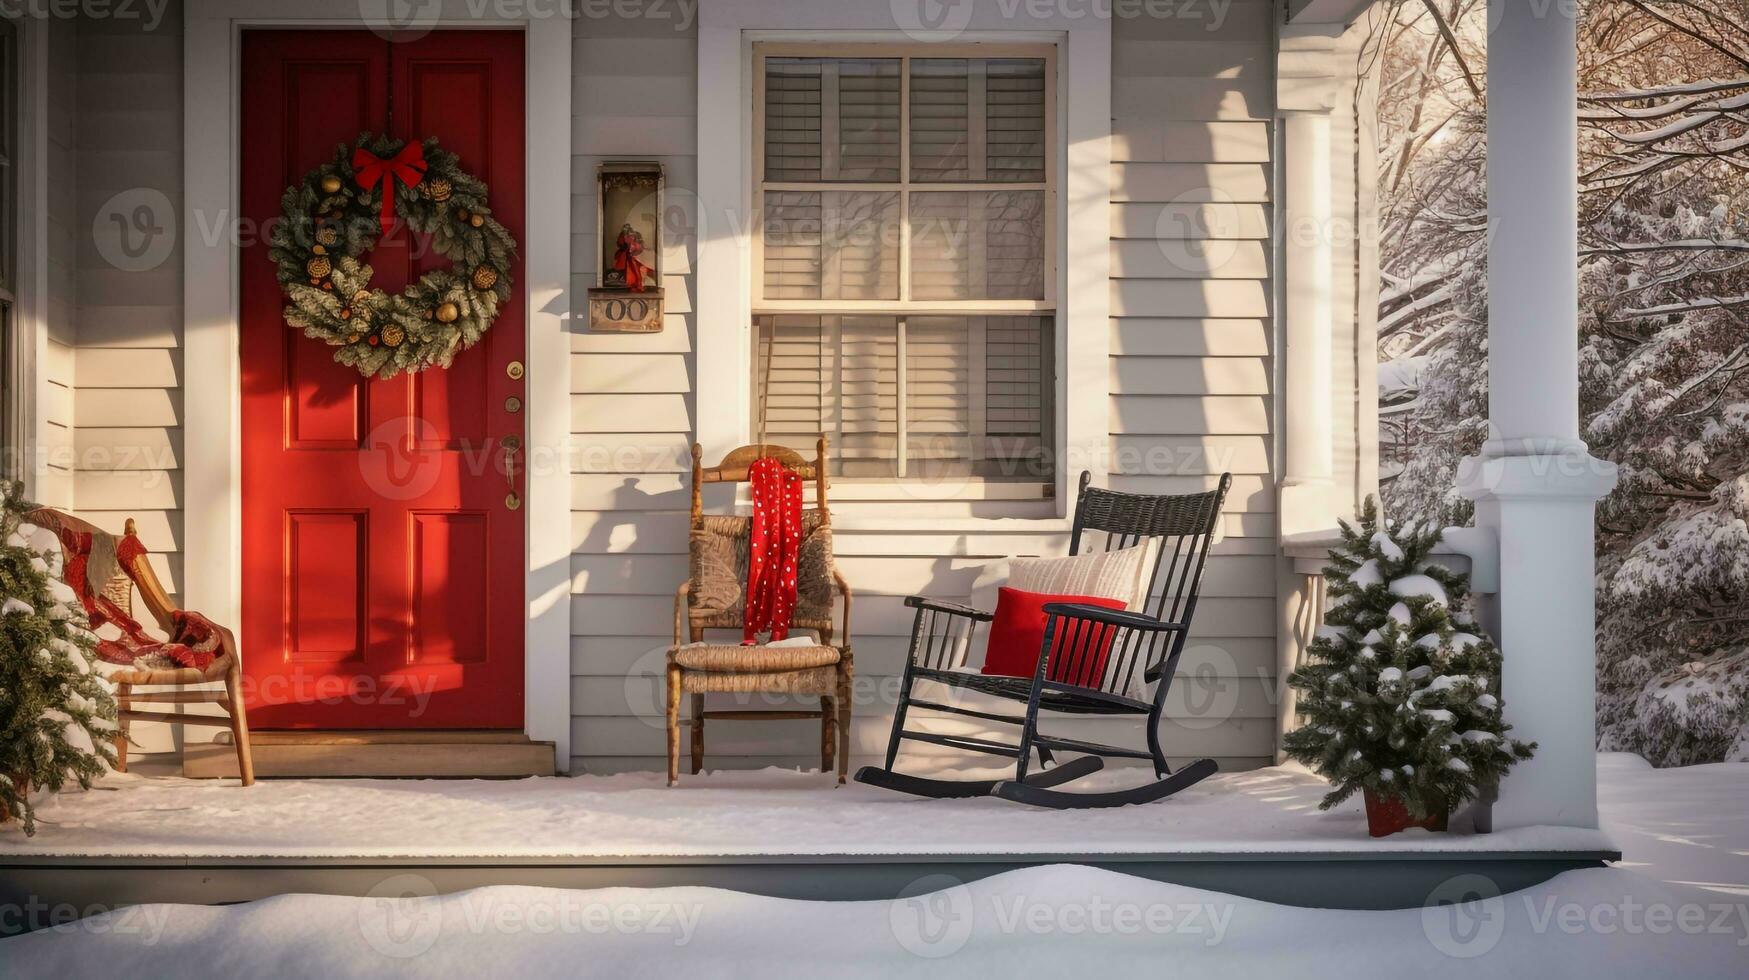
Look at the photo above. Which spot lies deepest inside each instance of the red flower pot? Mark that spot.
(23, 786)
(1386, 815)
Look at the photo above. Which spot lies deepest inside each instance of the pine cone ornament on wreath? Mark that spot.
(319, 267)
(484, 277)
(437, 188)
(393, 335)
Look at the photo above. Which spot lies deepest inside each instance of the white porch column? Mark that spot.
(1305, 96)
(1535, 483)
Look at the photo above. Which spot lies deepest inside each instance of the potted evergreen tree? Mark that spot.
(1400, 691)
(57, 717)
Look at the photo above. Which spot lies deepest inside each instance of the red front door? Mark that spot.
(382, 563)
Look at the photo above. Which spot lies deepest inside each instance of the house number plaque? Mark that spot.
(629, 219)
(612, 312)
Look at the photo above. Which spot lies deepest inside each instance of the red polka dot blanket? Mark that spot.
(774, 543)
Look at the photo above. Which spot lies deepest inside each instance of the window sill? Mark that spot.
(968, 506)
(969, 488)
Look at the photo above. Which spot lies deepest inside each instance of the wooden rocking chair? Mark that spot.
(713, 599)
(1090, 672)
(226, 665)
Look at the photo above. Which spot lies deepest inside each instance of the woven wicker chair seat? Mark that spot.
(754, 659)
(813, 680)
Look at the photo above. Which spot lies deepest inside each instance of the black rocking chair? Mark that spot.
(1085, 682)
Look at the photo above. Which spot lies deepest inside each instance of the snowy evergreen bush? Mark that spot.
(1400, 694)
(56, 717)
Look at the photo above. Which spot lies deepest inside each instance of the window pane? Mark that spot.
(976, 393)
(831, 245)
(938, 392)
(792, 119)
(1014, 121)
(940, 117)
(976, 119)
(831, 119)
(1017, 383)
(969, 245)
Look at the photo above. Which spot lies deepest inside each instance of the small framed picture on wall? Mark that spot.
(628, 298)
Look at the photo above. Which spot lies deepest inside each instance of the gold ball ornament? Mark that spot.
(330, 184)
(393, 335)
(318, 267)
(318, 249)
(437, 189)
(484, 277)
(448, 313)
(477, 220)
(461, 214)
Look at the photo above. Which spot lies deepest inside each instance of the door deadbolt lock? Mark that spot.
(513, 404)
(514, 370)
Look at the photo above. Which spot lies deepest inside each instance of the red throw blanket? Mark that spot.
(196, 641)
(775, 542)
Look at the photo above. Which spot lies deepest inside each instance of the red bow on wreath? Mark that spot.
(408, 166)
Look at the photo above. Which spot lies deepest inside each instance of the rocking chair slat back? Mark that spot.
(1179, 531)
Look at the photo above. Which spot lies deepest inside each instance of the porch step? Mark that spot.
(382, 754)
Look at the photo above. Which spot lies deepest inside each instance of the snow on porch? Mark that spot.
(718, 814)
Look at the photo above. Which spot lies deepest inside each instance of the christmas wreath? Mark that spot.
(329, 224)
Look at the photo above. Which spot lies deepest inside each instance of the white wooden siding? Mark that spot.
(1190, 377)
(125, 355)
(55, 426)
(1191, 368)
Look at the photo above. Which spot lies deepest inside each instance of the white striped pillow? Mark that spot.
(1107, 574)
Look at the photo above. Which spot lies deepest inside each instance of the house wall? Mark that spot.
(1190, 377)
(127, 359)
(1190, 373)
(1192, 103)
(54, 430)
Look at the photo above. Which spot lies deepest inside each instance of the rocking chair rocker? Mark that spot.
(1089, 672)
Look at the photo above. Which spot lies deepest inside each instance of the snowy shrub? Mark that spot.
(1399, 691)
(57, 717)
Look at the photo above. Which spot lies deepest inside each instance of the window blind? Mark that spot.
(974, 392)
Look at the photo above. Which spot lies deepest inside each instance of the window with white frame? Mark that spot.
(904, 282)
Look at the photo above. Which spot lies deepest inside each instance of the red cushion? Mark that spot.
(1017, 634)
